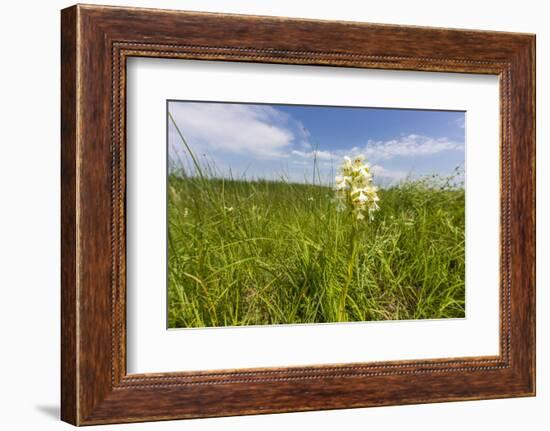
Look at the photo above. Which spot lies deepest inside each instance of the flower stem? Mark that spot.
(342, 315)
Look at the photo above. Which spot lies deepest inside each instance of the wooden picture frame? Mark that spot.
(95, 43)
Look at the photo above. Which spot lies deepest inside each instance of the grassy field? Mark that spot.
(255, 253)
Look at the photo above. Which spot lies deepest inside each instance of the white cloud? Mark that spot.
(406, 146)
(409, 145)
(318, 154)
(380, 171)
(257, 130)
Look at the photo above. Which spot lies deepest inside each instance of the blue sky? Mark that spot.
(273, 141)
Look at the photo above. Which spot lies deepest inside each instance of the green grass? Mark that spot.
(257, 253)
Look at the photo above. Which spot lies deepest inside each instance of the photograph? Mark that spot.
(301, 214)
(281, 211)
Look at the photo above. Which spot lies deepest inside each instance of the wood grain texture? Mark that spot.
(69, 397)
(96, 41)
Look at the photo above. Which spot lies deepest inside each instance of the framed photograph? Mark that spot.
(264, 214)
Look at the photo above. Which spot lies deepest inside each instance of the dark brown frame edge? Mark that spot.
(95, 43)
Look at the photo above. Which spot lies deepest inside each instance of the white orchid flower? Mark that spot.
(354, 188)
(342, 182)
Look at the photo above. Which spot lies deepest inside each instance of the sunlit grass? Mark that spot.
(275, 252)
